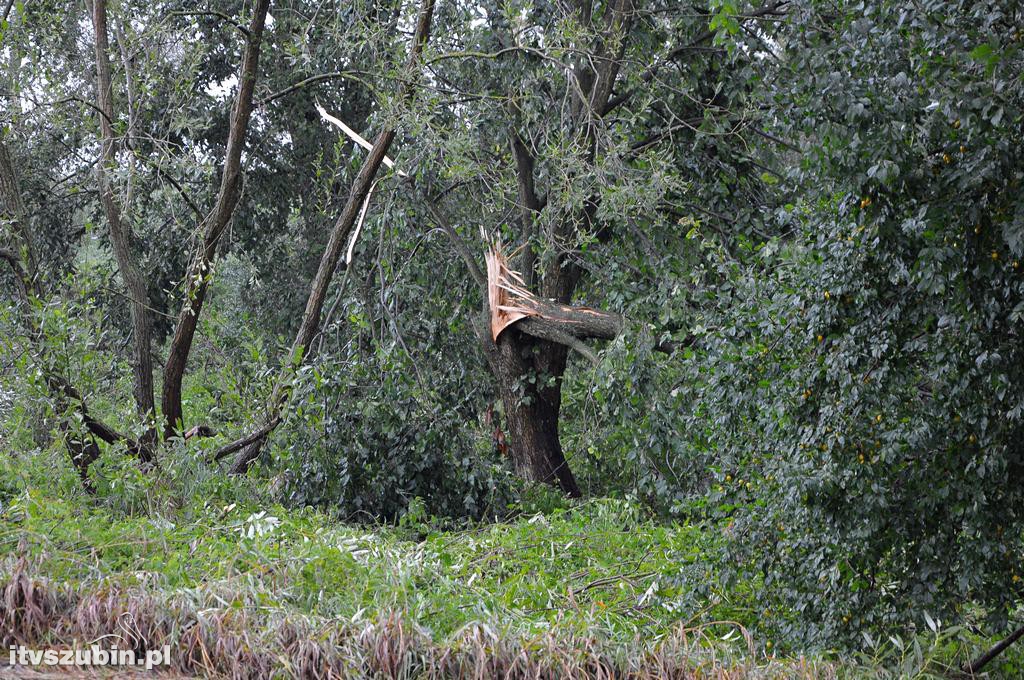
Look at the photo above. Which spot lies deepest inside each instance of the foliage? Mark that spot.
(507, 580)
(367, 437)
(844, 392)
(892, 477)
(809, 215)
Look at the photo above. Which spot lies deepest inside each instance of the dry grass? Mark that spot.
(233, 634)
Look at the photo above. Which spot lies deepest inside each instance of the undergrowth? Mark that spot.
(240, 586)
(594, 590)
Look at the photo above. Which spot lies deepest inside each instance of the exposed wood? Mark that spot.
(361, 187)
(355, 137)
(504, 288)
(509, 302)
(199, 431)
(200, 270)
(121, 238)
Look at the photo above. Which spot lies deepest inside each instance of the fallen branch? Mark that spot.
(355, 137)
(538, 329)
(238, 444)
(974, 667)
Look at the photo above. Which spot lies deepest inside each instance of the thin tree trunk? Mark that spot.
(121, 240)
(10, 194)
(200, 270)
(310, 324)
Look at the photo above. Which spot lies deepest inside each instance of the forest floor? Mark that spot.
(250, 591)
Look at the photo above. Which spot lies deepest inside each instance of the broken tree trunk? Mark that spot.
(526, 345)
(250, 447)
(511, 303)
(531, 407)
(526, 337)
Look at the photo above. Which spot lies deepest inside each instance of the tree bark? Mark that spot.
(121, 238)
(310, 325)
(526, 340)
(200, 270)
(532, 407)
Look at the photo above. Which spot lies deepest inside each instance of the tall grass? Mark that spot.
(216, 632)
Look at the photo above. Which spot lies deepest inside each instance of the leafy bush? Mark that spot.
(365, 439)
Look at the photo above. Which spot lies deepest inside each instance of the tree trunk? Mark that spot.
(81, 444)
(251, 447)
(121, 241)
(532, 408)
(200, 270)
(527, 337)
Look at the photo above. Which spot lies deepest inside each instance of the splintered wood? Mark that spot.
(507, 297)
(510, 302)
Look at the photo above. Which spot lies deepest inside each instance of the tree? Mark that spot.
(122, 237)
(358, 200)
(197, 279)
(594, 134)
(861, 391)
(83, 453)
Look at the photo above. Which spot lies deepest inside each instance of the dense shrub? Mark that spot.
(366, 439)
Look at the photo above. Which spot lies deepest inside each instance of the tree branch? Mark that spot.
(539, 329)
(24, 284)
(974, 667)
(312, 80)
(181, 191)
(529, 206)
(247, 32)
(258, 435)
(460, 245)
(310, 324)
(776, 8)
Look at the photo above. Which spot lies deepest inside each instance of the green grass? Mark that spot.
(598, 567)
(600, 578)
